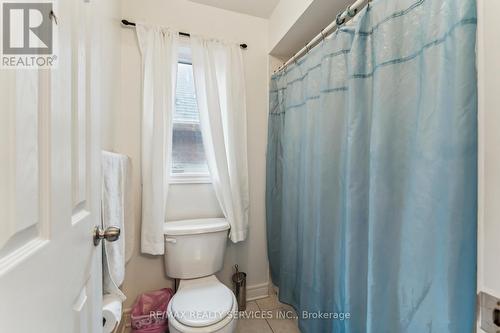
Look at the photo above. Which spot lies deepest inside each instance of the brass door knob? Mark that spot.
(111, 234)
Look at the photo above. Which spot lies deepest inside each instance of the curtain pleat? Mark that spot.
(220, 92)
(159, 59)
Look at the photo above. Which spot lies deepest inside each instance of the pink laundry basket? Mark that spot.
(149, 313)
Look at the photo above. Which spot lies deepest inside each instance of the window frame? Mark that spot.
(184, 57)
(190, 178)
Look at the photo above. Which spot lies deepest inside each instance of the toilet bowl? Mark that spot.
(194, 252)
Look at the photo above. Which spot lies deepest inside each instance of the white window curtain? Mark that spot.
(159, 58)
(220, 91)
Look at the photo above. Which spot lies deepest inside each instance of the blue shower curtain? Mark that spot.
(371, 173)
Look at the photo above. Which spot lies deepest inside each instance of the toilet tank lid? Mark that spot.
(195, 226)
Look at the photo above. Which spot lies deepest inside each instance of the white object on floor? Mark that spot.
(194, 252)
(111, 312)
(114, 179)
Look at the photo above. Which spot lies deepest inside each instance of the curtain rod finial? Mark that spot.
(126, 22)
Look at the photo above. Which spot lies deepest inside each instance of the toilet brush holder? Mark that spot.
(240, 288)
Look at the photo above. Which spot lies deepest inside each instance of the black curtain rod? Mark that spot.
(185, 34)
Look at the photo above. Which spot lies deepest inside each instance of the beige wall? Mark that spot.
(106, 18)
(294, 23)
(146, 272)
(286, 13)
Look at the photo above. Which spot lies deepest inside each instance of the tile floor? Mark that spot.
(268, 315)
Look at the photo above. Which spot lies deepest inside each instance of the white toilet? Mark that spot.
(194, 252)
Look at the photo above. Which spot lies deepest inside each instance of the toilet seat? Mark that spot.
(205, 294)
(201, 302)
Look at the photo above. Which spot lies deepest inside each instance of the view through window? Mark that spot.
(188, 155)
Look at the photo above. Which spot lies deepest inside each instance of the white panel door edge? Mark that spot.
(50, 270)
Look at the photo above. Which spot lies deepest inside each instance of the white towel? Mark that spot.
(113, 210)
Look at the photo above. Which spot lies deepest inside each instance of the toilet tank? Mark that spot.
(195, 248)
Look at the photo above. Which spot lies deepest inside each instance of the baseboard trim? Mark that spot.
(257, 291)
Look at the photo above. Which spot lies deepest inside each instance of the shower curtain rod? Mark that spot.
(342, 18)
(185, 34)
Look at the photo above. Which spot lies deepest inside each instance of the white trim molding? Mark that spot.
(190, 178)
(257, 291)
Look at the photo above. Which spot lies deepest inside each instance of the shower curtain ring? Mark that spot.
(339, 21)
(351, 12)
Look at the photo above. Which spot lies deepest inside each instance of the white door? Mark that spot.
(489, 166)
(50, 271)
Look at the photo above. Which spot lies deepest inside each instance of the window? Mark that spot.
(189, 164)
